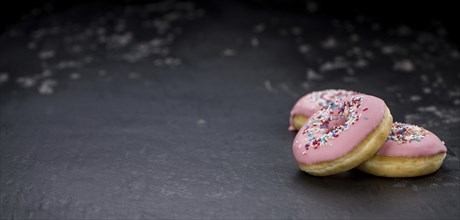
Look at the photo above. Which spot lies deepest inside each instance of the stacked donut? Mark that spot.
(339, 130)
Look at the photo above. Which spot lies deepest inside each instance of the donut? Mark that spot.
(313, 102)
(409, 151)
(342, 135)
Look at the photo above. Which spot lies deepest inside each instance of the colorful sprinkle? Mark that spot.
(405, 133)
(329, 122)
(324, 97)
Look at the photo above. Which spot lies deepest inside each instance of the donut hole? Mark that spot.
(334, 124)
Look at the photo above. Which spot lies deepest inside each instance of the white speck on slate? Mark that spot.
(400, 185)
(47, 73)
(88, 59)
(329, 43)
(442, 115)
(361, 63)
(102, 72)
(68, 64)
(46, 54)
(4, 77)
(47, 87)
(74, 76)
(312, 75)
(403, 30)
(427, 90)
(430, 108)
(133, 75)
(288, 90)
(31, 45)
(354, 38)
(158, 62)
(455, 54)
(304, 48)
(305, 85)
(228, 52)
(171, 61)
(349, 26)
(201, 121)
(120, 40)
(338, 63)
(415, 98)
(255, 42)
(404, 65)
(438, 82)
(369, 54)
(388, 50)
(312, 6)
(268, 86)
(25, 81)
(283, 31)
(450, 184)
(259, 28)
(350, 71)
(13, 33)
(296, 30)
(424, 78)
(376, 43)
(454, 93)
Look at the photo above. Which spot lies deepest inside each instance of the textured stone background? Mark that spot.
(180, 109)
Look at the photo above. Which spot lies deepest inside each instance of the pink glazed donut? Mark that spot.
(343, 135)
(408, 152)
(313, 102)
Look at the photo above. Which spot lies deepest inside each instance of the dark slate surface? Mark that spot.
(99, 121)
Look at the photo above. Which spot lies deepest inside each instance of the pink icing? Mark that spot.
(352, 126)
(315, 101)
(411, 141)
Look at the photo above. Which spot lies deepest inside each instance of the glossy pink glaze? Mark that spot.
(314, 101)
(430, 145)
(372, 111)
